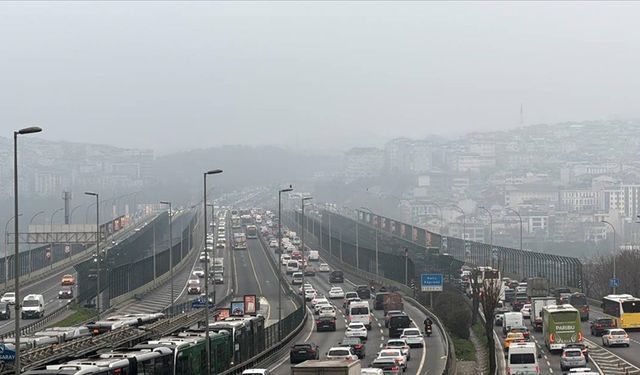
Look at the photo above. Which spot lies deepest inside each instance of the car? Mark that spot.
(348, 296)
(310, 294)
(356, 330)
(371, 371)
(5, 311)
(356, 344)
(389, 365)
(600, 325)
(572, 357)
(256, 371)
(512, 337)
(363, 291)
(320, 305)
(304, 287)
(198, 271)
(318, 299)
(336, 292)
(309, 271)
(522, 329)
(193, 286)
(583, 371)
(303, 352)
(581, 346)
(68, 280)
(413, 337)
(526, 311)
(400, 344)
(325, 324)
(615, 336)
(65, 293)
(284, 259)
(341, 352)
(296, 278)
(273, 244)
(324, 267)
(388, 316)
(396, 354)
(221, 244)
(218, 278)
(9, 297)
(327, 310)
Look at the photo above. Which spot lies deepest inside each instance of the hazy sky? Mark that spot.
(176, 75)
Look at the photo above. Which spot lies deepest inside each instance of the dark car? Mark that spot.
(397, 323)
(5, 311)
(378, 304)
(509, 294)
(218, 278)
(599, 326)
(388, 365)
(303, 352)
(364, 292)
(518, 301)
(356, 344)
(336, 277)
(309, 271)
(326, 323)
(65, 293)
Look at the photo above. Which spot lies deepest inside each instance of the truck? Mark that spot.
(392, 301)
(327, 367)
(537, 303)
(537, 287)
(239, 241)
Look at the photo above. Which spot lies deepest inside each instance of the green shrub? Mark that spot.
(454, 312)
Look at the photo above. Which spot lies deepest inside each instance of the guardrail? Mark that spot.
(31, 327)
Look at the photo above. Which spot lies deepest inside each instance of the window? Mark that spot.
(359, 311)
(522, 358)
(631, 306)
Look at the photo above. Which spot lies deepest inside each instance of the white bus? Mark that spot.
(252, 231)
(624, 307)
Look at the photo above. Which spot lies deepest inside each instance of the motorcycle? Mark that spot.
(428, 331)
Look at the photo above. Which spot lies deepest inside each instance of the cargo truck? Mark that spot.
(392, 301)
(537, 287)
(327, 367)
(537, 304)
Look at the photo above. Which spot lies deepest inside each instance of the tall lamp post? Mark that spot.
(53, 214)
(521, 253)
(6, 253)
(206, 267)
(376, 238)
(280, 259)
(97, 204)
(614, 255)
(214, 249)
(30, 222)
(16, 262)
(170, 250)
(490, 233)
(302, 222)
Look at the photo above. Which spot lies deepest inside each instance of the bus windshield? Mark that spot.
(631, 307)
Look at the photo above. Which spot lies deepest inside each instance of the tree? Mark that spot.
(476, 289)
(487, 289)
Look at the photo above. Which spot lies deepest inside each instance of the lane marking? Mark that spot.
(285, 357)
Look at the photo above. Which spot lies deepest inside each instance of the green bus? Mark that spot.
(560, 326)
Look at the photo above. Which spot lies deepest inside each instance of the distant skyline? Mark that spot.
(173, 76)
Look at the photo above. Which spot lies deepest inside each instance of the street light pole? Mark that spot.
(51, 231)
(490, 233)
(97, 249)
(280, 259)
(206, 268)
(170, 251)
(214, 250)
(72, 211)
(16, 262)
(406, 266)
(376, 238)
(304, 199)
(614, 254)
(31, 221)
(6, 253)
(464, 228)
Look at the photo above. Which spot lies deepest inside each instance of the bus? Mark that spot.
(560, 326)
(252, 231)
(235, 222)
(246, 220)
(579, 301)
(625, 307)
(239, 241)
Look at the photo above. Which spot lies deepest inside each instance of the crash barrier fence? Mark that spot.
(40, 323)
(277, 335)
(559, 270)
(450, 366)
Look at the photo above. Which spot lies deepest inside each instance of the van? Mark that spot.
(292, 266)
(359, 313)
(397, 323)
(33, 306)
(379, 302)
(522, 358)
(314, 256)
(512, 319)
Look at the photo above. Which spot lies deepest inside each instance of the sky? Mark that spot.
(311, 75)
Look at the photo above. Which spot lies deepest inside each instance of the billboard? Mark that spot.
(250, 305)
(237, 308)
(222, 314)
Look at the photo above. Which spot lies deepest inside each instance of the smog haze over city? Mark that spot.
(528, 106)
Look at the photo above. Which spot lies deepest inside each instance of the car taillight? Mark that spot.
(626, 335)
(358, 346)
(508, 370)
(552, 338)
(537, 369)
(580, 337)
(395, 368)
(318, 321)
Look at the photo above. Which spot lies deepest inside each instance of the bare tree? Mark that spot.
(486, 294)
(476, 289)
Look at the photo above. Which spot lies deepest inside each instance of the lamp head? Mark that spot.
(29, 130)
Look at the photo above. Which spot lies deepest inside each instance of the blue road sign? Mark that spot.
(614, 282)
(431, 282)
(6, 354)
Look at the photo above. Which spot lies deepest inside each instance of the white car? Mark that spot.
(413, 337)
(399, 344)
(319, 306)
(341, 352)
(198, 272)
(221, 244)
(285, 259)
(304, 287)
(210, 246)
(526, 311)
(615, 336)
(395, 354)
(336, 292)
(356, 330)
(273, 244)
(324, 267)
(256, 371)
(209, 240)
(327, 311)
(310, 294)
(371, 371)
(9, 298)
(317, 300)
